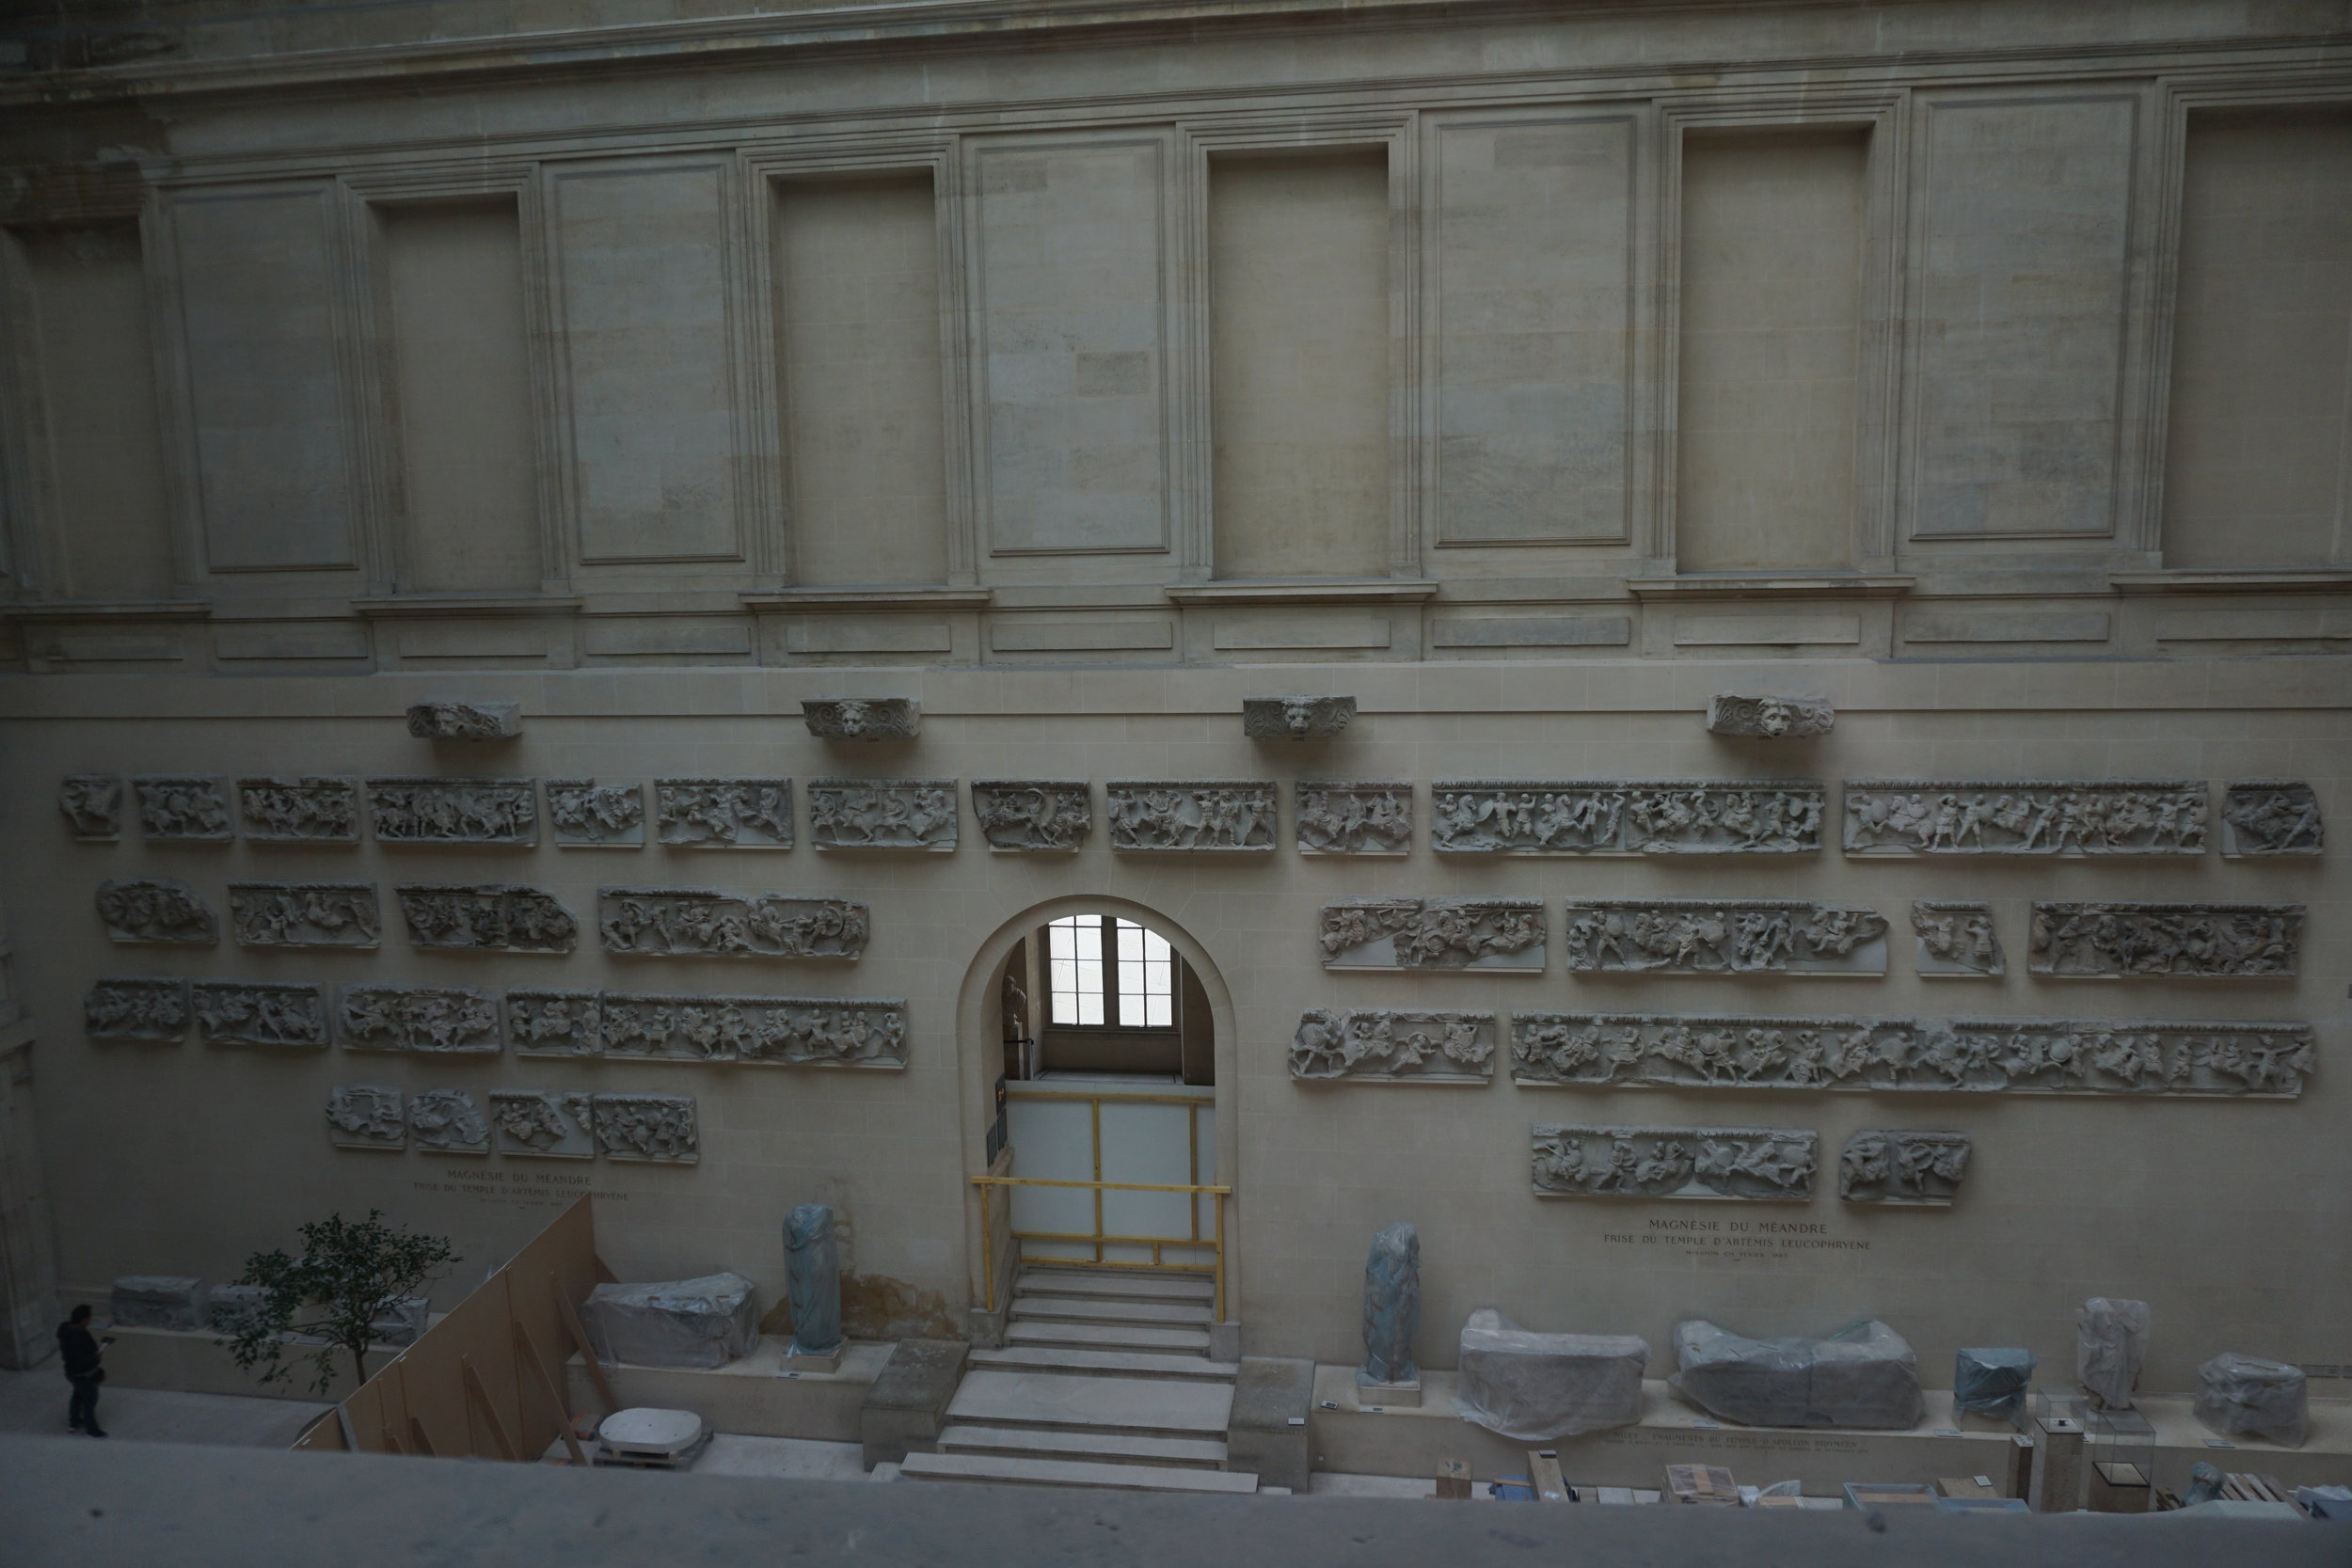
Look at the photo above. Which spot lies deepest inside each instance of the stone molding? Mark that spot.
(585, 814)
(156, 912)
(308, 810)
(457, 721)
(1484, 934)
(1627, 817)
(710, 922)
(2068, 818)
(1197, 816)
(723, 813)
(304, 915)
(497, 812)
(1756, 1164)
(1337, 817)
(1770, 718)
(1295, 718)
(1034, 816)
(1391, 1046)
(2141, 940)
(862, 717)
(1902, 1168)
(489, 917)
(884, 813)
(1723, 935)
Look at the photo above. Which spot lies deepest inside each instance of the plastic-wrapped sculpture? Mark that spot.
(1533, 1388)
(2245, 1395)
(1392, 1306)
(813, 1280)
(1991, 1382)
(1863, 1376)
(2110, 1342)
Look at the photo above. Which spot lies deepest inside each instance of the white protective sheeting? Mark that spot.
(2247, 1396)
(1533, 1388)
(1864, 1376)
(700, 1322)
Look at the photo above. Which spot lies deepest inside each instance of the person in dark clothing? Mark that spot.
(80, 1351)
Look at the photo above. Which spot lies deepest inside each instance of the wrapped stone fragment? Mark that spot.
(1534, 1387)
(157, 1301)
(401, 1322)
(2247, 1396)
(703, 1322)
(2110, 1342)
(1991, 1382)
(1391, 1308)
(813, 1280)
(1863, 1377)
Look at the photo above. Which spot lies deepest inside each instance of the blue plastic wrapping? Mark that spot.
(1991, 1382)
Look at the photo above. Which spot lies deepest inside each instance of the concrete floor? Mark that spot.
(33, 1404)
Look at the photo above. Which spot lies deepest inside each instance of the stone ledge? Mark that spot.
(1774, 585)
(1306, 592)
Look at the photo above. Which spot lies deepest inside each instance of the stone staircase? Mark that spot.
(1105, 1381)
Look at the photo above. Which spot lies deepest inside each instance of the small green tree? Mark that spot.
(349, 1273)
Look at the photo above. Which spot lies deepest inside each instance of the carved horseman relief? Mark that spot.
(299, 810)
(447, 1122)
(660, 1128)
(128, 1008)
(883, 814)
(586, 814)
(1033, 815)
(453, 721)
(1670, 816)
(1897, 1167)
(863, 718)
(2063, 817)
(1956, 938)
(304, 915)
(1336, 819)
(724, 813)
(183, 806)
(2133, 940)
(259, 1012)
(1705, 936)
(495, 917)
(543, 1124)
(554, 1022)
(432, 1020)
(1770, 718)
(1226, 815)
(1433, 933)
(1391, 1047)
(2135, 1057)
(91, 805)
(2271, 816)
(784, 1031)
(497, 812)
(705, 923)
(156, 912)
(1770, 1165)
(366, 1116)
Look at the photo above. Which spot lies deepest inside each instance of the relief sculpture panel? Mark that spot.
(553, 1022)
(91, 805)
(543, 1124)
(156, 912)
(259, 1012)
(456, 720)
(723, 813)
(705, 923)
(1584, 816)
(494, 917)
(883, 814)
(1433, 933)
(1229, 816)
(1033, 815)
(2133, 940)
(660, 1128)
(1956, 938)
(434, 1020)
(2271, 816)
(1712, 936)
(1768, 1164)
(1770, 718)
(121, 1007)
(366, 1116)
(586, 814)
(183, 806)
(1896, 1166)
(497, 812)
(843, 1032)
(1391, 1047)
(448, 1121)
(2063, 817)
(299, 810)
(1331, 818)
(304, 915)
(863, 718)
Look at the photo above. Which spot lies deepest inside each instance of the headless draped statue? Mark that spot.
(813, 1280)
(1392, 1306)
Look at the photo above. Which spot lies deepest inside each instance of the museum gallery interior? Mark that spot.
(1577, 754)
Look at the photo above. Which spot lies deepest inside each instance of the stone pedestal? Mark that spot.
(1271, 1432)
(2058, 1466)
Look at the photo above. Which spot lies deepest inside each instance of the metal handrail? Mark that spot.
(988, 1245)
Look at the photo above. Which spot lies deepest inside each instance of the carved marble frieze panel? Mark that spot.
(2141, 940)
(1768, 1165)
(304, 915)
(128, 1007)
(863, 718)
(1956, 938)
(185, 806)
(491, 917)
(1898, 1166)
(2015, 1055)
(723, 813)
(1389, 1046)
(447, 1122)
(490, 812)
(1433, 933)
(1723, 935)
(543, 1124)
(1295, 718)
(259, 1012)
(2064, 818)
(1770, 718)
(299, 810)
(435, 1020)
(1333, 816)
(1223, 816)
(554, 1022)
(456, 720)
(585, 814)
(156, 912)
(790, 1031)
(2260, 817)
(706, 923)
(1030, 815)
(658, 1128)
(1586, 817)
(884, 813)
(91, 805)
(366, 1116)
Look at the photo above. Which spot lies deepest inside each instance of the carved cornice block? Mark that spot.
(1898, 1167)
(786, 1031)
(366, 1116)
(91, 805)
(156, 912)
(259, 1012)
(1218, 815)
(1770, 718)
(447, 1121)
(456, 720)
(1331, 816)
(723, 813)
(1956, 938)
(127, 1007)
(183, 806)
(862, 717)
(299, 810)
(499, 812)
(586, 814)
(658, 1128)
(1433, 933)
(304, 915)
(554, 1022)
(706, 923)
(431, 1020)
(543, 1124)
(2067, 817)
(1757, 1165)
(1627, 817)
(1033, 816)
(2262, 817)
(884, 813)
(2144, 941)
(1723, 935)
(491, 917)
(1387, 1046)
(1295, 718)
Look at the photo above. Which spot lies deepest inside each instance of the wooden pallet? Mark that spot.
(1702, 1483)
(2247, 1487)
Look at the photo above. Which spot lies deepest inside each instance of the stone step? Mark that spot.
(1124, 1284)
(1105, 1363)
(1100, 1309)
(1199, 1453)
(1142, 1407)
(1069, 1472)
(1108, 1336)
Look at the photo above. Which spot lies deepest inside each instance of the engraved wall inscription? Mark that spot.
(1224, 815)
(1671, 816)
(1032, 815)
(91, 805)
(183, 806)
(259, 1012)
(1770, 1164)
(366, 1116)
(883, 814)
(456, 720)
(437, 1020)
(2207, 940)
(299, 810)
(453, 811)
(1392, 1047)
(724, 813)
(541, 1124)
(501, 917)
(705, 923)
(1331, 818)
(660, 1128)
(2271, 816)
(1956, 938)
(129, 1008)
(304, 915)
(1433, 933)
(1898, 1167)
(851, 1032)
(1770, 718)
(449, 1121)
(586, 814)
(2067, 817)
(156, 912)
(1707, 936)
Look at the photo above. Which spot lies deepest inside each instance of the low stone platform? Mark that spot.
(750, 1396)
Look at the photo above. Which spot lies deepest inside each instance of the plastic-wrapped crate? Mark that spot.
(703, 1322)
(2245, 1395)
(1864, 1377)
(1533, 1386)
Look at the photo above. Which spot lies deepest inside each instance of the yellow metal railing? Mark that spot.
(1100, 1238)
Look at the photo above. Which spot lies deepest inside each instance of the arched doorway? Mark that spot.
(1104, 1104)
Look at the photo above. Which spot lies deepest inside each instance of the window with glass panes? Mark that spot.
(1101, 968)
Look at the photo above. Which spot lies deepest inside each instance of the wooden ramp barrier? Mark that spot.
(487, 1382)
